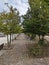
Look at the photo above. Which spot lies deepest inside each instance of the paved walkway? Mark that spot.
(18, 55)
(2, 52)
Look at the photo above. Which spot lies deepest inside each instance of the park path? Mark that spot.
(18, 55)
(15, 55)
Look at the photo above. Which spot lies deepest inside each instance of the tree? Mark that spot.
(36, 21)
(1, 23)
(9, 23)
(28, 24)
(13, 18)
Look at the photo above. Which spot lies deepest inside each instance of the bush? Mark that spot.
(41, 42)
(35, 50)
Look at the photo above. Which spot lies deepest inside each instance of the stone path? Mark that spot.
(2, 52)
(18, 55)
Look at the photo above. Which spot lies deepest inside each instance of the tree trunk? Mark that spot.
(39, 37)
(8, 41)
(43, 38)
(7, 38)
(10, 38)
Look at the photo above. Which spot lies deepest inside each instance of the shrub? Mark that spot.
(35, 50)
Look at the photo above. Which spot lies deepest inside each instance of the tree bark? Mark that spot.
(7, 38)
(8, 41)
(39, 37)
(10, 38)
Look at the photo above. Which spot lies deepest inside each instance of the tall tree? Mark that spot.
(36, 20)
(10, 22)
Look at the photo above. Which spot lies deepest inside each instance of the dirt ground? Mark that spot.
(18, 54)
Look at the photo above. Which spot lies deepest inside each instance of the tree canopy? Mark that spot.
(36, 21)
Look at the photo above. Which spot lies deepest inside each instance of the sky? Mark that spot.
(21, 5)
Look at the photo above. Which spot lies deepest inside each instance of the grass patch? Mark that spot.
(36, 50)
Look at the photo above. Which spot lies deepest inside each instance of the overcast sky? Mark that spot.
(21, 5)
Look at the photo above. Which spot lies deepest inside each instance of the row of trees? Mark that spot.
(36, 21)
(9, 22)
